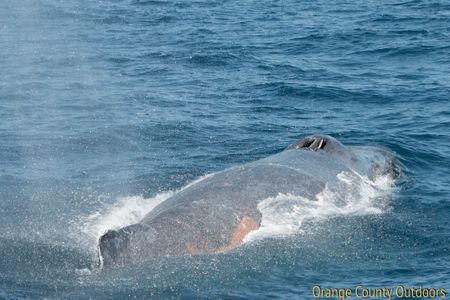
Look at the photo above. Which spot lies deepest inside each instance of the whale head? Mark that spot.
(373, 160)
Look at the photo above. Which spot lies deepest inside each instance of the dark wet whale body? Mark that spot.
(214, 214)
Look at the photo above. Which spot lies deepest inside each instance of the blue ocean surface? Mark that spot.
(108, 107)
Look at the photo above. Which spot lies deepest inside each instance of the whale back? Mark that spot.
(203, 215)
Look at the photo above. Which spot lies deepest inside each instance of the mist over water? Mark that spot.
(109, 107)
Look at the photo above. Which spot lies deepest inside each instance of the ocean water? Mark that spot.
(109, 107)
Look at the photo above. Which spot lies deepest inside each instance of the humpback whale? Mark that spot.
(216, 213)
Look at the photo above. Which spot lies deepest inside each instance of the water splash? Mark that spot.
(125, 211)
(353, 195)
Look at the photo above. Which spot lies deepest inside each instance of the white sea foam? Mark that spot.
(125, 211)
(353, 195)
